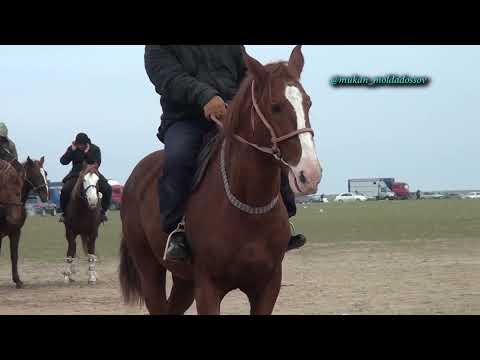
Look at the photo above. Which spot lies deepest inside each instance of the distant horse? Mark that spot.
(82, 217)
(18, 180)
(237, 227)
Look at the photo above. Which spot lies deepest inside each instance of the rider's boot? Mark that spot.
(177, 246)
(296, 241)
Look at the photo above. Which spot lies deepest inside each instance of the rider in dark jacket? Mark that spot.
(194, 82)
(8, 151)
(83, 151)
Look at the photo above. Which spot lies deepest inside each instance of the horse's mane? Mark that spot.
(15, 164)
(243, 98)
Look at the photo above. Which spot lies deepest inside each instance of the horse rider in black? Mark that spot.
(194, 82)
(83, 151)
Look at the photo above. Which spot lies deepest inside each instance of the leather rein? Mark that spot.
(273, 150)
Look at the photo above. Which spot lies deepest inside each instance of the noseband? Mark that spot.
(35, 188)
(83, 193)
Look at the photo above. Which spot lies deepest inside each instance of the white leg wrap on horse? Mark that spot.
(92, 274)
(74, 266)
(67, 272)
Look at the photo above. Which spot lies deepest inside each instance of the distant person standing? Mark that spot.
(418, 194)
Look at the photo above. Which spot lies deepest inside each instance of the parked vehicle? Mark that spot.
(350, 197)
(371, 188)
(472, 195)
(117, 192)
(54, 189)
(35, 206)
(431, 195)
(401, 190)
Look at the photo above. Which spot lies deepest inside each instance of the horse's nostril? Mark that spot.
(303, 179)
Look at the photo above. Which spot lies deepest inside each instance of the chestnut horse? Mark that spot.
(82, 217)
(237, 227)
(18, 180)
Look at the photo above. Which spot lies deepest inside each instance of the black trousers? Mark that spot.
(68, 184)
(183, 141)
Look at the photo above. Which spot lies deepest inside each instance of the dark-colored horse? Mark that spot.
(18, 180)
(82, 217)
(237, 227)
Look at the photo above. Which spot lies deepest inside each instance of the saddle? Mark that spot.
(208, 149)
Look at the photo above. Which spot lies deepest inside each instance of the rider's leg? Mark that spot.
(65, 195)
(183, 141)
(106, 190)
(297, 240)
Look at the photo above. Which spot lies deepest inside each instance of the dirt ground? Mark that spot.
(408, 277)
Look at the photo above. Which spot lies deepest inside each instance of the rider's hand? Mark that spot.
(73, 147)
(216, 106)
(87, 148)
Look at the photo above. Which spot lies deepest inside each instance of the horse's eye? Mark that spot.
(276, 108)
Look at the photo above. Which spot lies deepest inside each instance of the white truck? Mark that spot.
(372, 188)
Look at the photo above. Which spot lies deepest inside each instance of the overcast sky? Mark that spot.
(425, 136)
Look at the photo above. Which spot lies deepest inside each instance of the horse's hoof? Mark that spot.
(19, 285)
(92, 282)
(67, 280)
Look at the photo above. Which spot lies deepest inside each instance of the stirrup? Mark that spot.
(180, 228)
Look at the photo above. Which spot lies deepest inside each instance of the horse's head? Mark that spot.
(36, 177)
(11, 184)
(89, 178)
(280, 102)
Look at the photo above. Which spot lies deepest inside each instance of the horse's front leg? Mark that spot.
(263, 302)
(69, 260)
(92, 258)
(14, 240)
(207, 296)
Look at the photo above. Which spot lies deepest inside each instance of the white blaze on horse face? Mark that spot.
(44, 175)
(307, 173)
(90, 185)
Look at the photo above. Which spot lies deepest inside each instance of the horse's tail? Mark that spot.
(129, 277)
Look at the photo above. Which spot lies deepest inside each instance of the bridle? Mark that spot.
(273, 150)
(33, 187)
(83, 192)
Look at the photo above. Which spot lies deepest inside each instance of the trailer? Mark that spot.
(372, 188)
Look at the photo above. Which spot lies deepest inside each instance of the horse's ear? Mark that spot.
(257, 70)
(29, 161)
(42, 161)
(296, 61)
